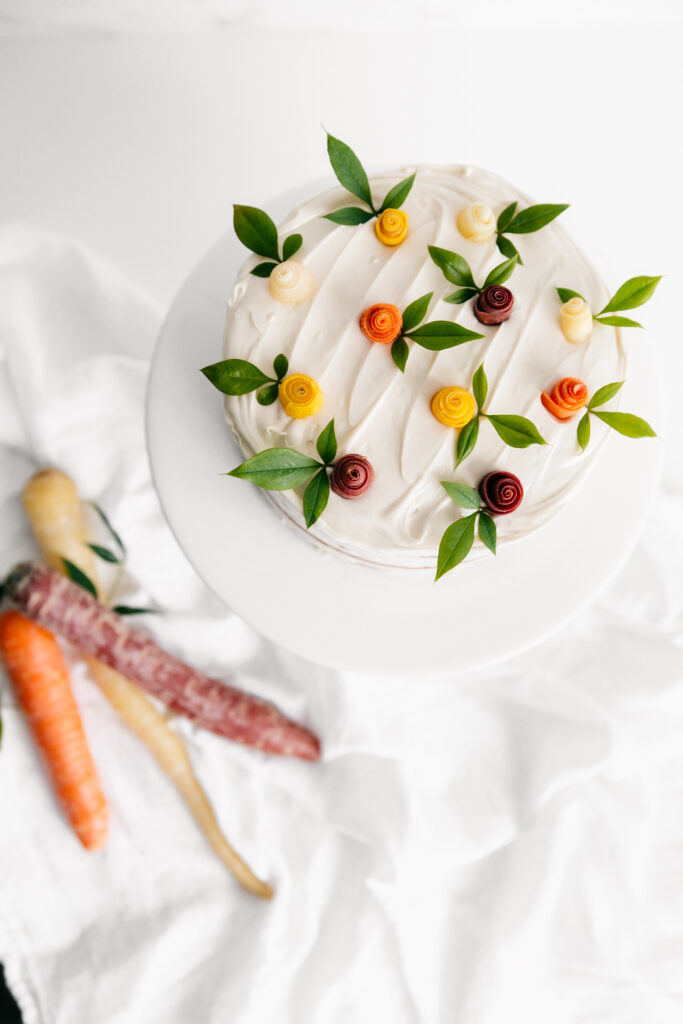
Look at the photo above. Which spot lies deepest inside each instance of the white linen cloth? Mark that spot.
(500, 846)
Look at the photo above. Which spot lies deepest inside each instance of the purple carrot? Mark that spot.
(64, 608)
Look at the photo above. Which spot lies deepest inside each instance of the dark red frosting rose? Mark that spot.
(501, 492)
(494, 305)
(352, 476)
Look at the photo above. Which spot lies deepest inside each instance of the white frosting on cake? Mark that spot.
(385, 415)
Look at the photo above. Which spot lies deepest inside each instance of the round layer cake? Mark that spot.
(385, 415)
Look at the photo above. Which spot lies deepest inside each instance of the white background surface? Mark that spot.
(498, 847)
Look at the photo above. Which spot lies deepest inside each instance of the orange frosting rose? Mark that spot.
(566, 398)
(382, 322)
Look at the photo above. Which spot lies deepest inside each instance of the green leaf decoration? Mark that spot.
(454, 267)
(634, 292)
(396, 196)
(626, 423)
(534, 218)
(316, 497)
(268, 395)
(280, 366)
(583, 431)
(604, 394)
(455, 545)
(400, 352)
(480, 386)
(415, 313)
(126, 609)
(617, 321)
(327, 444)
(349, 215)
(3, 588)
(105, 554)
(235, 376)
(501, 273)
(506, 247)
(461, 494)
(263, 269)
(109, 528)
(349, 170)
(77, 575)
(292, 244)
(567, 293)
(277, 469)
(255, 229)
(461, 295)
(505, 217)
(442, 334)
(467, 439)
(516, 431)
(488, 534)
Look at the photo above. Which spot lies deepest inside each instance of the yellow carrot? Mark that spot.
(52, 496)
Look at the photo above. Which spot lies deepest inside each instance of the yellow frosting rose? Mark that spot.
(454, 407)
(576, 320)
(391, 226)
(476, 222)
(291, 282)
(300, 396)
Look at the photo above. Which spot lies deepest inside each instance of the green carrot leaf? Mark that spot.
(583, 431)
(327, 444)
(415, 313)
(567, 293)
(263, 269)
(349, 215)
(126, 609)
(277, 469)
(442, 334)
(349, 170)
(454, 267)
(400, 352)
(501, 273)
(604, 394)
(255, 229)
(268, 394)
(461, 295)
(105, 554)
(535, 217)
(516, 431)
(280, 366)
(487, 531)
(235, 376)
(461, 494)
(632, 293)
(467, 439)
(626, 423)
(455, 545)
(505, 217)
(617, 321)
(291, 245)
(396, 197)
(316, 497)
(77, 575)
(480, 386)
(506, 247)
(109, 528)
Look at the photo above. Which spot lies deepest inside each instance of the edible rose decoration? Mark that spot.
(494, 305)
(476, 222)
(501, 492)
(300, 396)
(382, 323)
(566, 398)
(290, 282)
(576, 320)
(352, 476)
(454, 407)
(391, 227)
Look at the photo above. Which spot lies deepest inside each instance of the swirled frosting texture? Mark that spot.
(386, 415)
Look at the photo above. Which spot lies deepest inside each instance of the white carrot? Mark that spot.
(54, 511)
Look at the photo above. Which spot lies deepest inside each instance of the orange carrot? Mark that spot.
(36, 666)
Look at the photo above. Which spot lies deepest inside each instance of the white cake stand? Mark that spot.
(347, 615)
